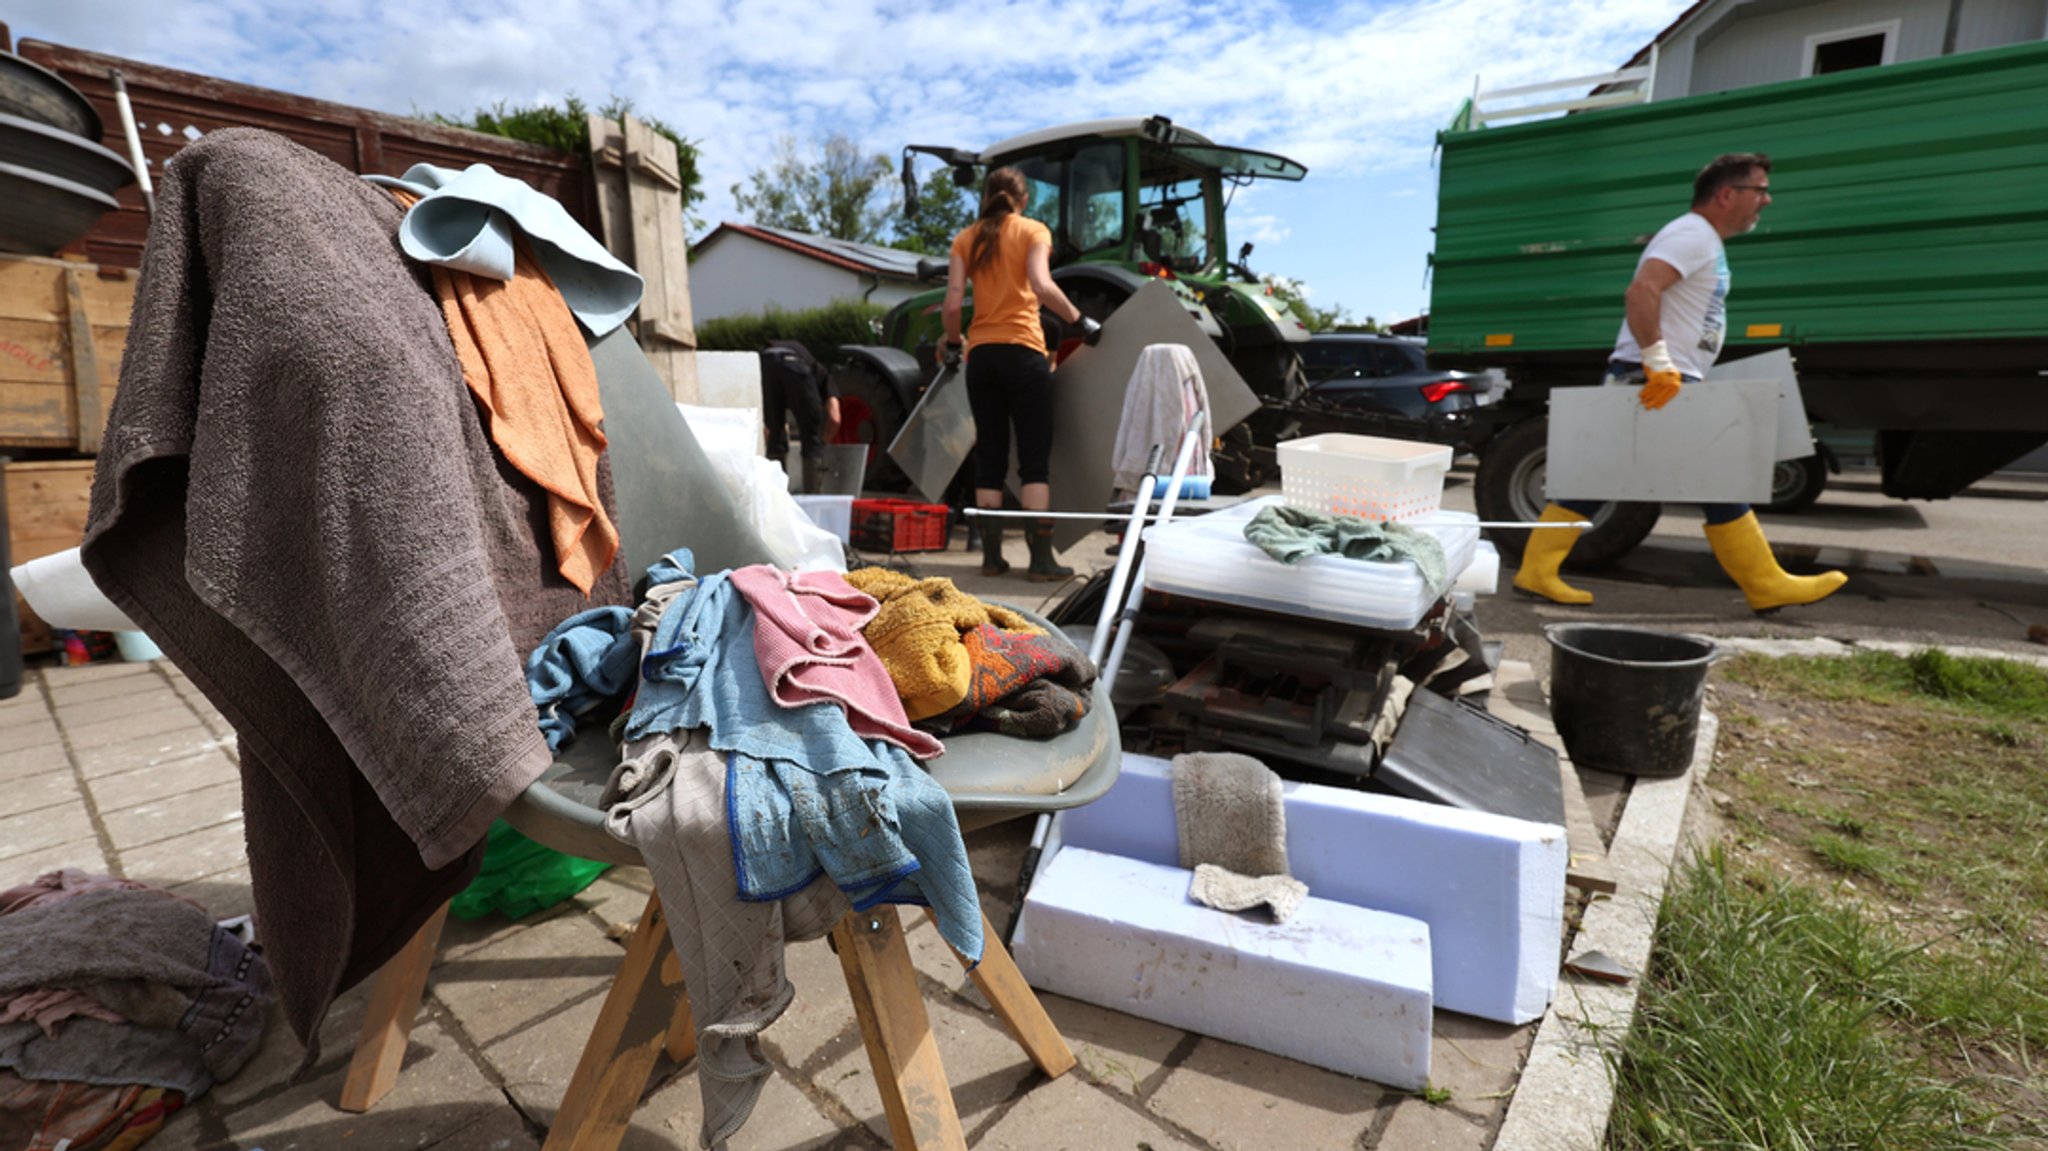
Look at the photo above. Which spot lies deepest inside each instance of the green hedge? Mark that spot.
(822, 330)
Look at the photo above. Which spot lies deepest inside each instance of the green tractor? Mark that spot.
(1127, 201)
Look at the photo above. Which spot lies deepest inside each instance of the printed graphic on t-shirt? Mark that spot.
(1715, 327)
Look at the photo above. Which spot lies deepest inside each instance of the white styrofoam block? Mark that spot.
(1336, 986)
(833, 513)
(1490, 887)
(729, 379)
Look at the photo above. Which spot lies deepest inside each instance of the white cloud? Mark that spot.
(1354, 89)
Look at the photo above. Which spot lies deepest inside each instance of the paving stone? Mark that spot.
(112, 793)
(1114, 1050)
(33, 759)
(22, 834)
(1238, 1099)
(269, 1071)
(24, 709)
(984, 1065)
(1068, 1115)
(58, 678)
(172, 816)
(440, 1091)
(503, 1130)
(83, 854)
(935, 960)
(43, 789)
(783, 1119)
(822, 1011)
(1416, 1125)
(224, 896)
(34, 731)
(111, 722)
(618, 896)
(66, 693)
(196, 855)
(525, 976)
(535, 1064)
(97, 757)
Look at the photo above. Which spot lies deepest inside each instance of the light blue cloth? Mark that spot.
(465, 219)
(587, 659)
(804, 794)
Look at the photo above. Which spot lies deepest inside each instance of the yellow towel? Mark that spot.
(918, 631)
(525, 361)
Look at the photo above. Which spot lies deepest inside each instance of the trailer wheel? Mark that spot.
(1509, 486)
(870, 414)
(1796, 484)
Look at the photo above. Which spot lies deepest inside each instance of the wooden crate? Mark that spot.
(46, 509)
(62, 327)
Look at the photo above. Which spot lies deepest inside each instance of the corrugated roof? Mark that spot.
(868, 259)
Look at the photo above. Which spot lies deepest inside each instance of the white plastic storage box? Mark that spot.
(1207, 557)
(1366, 476)
(1490, 887)
(832, 513)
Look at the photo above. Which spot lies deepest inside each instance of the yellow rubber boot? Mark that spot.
(1746, 556)
(1544, 554)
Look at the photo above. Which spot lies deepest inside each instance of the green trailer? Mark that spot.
(1904, 260)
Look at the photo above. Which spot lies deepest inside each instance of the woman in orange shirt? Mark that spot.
(1007, 256)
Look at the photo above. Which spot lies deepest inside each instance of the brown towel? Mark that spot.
(525, 361)
(298, 501)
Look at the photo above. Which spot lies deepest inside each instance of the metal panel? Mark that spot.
(1712, 443)
(1909, 207)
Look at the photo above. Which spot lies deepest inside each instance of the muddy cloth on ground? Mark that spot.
(668, 798)
(805, 793)
(1029, 684)
(1289, 534)
(297, 499)
(1231, 815)
(194, 994)
(47, 1116)
(807, 637)
(918, 633)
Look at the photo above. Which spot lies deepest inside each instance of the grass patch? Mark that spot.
(1863, 962)
(1765, 1025)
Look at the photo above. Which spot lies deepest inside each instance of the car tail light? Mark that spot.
(1436, 392)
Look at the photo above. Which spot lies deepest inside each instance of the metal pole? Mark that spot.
(134, 135)
(1113, 596)
(1137, 592)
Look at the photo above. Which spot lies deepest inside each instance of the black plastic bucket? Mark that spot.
(1627, 700)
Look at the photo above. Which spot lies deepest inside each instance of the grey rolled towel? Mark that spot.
(1232, 817)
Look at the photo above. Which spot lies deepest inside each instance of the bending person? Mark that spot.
(1007, 256)
(1676, 317)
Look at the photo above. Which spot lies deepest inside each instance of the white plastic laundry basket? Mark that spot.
(1366, 476)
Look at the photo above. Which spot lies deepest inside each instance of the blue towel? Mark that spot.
(804, 794)
(588, 659)
(465, 221)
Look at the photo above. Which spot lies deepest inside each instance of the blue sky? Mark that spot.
(1355, 90)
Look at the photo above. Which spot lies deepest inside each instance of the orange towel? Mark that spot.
(525, 361)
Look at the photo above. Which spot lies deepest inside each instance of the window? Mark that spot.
(1042, 180)
(1097, 197)
(1869, 46)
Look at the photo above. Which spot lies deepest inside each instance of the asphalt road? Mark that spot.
(1919, 572)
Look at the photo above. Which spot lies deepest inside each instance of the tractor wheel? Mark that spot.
(870, 413)
(1509, 486)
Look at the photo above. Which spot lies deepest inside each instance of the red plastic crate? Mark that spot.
(898, 526)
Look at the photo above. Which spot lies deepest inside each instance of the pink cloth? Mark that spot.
(808, 641)
(49, 1006)
(56, 886)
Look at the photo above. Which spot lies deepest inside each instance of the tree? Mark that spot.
(1294, 294)
(567, 129)
(943, 208)
(835, 195)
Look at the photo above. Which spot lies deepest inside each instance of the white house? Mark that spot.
(742, 269)
(1721, 45)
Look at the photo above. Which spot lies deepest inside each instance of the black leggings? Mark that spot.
(1010, 385)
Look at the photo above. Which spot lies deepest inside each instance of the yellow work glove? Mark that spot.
(1662, 380)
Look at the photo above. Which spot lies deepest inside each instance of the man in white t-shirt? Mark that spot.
(1671, 333)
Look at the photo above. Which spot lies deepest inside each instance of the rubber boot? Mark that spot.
(1544, 554)
(813, 475)
(992, 561)
(1746, 556)
(1044, 569)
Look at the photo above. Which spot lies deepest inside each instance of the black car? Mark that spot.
(1389, 375)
